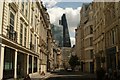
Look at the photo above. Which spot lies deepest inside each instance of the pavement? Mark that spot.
(37, 76)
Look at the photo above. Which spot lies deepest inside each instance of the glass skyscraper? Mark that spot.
(57, 33)
(66, 36)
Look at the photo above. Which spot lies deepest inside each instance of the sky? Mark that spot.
(71, 8)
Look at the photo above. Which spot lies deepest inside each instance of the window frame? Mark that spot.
(25, 36)
(21, 33)
(12, 25)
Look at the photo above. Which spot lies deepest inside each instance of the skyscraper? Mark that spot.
(66, 36)
(57, 33)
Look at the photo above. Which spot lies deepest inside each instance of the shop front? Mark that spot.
(9, 58)
(111, 58)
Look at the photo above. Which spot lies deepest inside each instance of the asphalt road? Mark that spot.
(64, 75)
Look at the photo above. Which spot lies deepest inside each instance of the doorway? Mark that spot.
(21, 65)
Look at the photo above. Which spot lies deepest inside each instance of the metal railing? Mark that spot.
(12, 35)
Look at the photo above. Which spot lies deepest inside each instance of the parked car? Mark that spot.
(69, 69)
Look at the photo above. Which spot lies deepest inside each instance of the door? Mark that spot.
(21, 65)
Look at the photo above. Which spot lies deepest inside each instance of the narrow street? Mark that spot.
(49, 39)
(64, 75)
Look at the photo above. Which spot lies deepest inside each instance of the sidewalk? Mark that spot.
(37, 76)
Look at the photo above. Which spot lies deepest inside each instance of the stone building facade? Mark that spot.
(84, 36)
(112, 35)
(23, 35)
(103, 17)
(59, 58)
(66, 53)
(106, 35)
(98, 31)
(50, 50)
(88, 40)
(77, 47)
(79, 37)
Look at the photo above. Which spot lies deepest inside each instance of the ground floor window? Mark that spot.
(92, 67)
(111, 58)
(21, 65)
(111, 61)
(30, 64)
(9, 58)
(35, 64)
(119, 62)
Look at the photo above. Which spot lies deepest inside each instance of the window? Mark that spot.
(35, 43)
(31, 38)
(91, 41)
(35, 64)
(32, 17)
(113, 11)
(91, 54)
(23, 6)
(9, 57)
(31, 42)
(35, 23)
(21, 33)
(11, 31)
(12, 20)
(113, 36)
(26, 9)
(36, 10)
(26, 13)
(91, 30)
(109, 38)
(30, 64)
(25, 36)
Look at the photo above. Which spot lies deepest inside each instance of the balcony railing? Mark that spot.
(12, 35)
(32, 47)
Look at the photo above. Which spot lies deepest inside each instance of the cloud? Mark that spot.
(72, 15)
(76, 0)
(72, 0)
(55, 14)
(50, 3)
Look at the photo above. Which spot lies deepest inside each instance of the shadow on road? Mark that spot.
(70, 78)
(71, 75)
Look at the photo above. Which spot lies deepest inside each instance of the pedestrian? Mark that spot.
(106, 76)
(27, 77)
(42, 73)
(100, 74)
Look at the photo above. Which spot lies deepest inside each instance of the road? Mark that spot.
(64, 75)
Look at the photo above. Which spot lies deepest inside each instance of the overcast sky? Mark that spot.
(71, 8)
